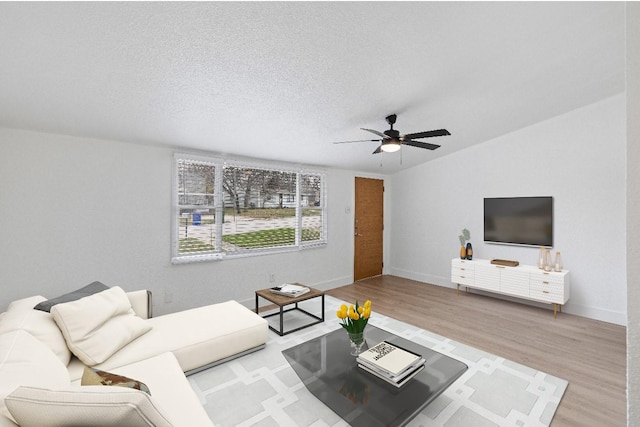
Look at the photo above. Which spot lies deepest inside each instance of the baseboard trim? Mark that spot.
(445, 282)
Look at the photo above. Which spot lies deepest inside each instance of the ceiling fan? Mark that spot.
(391, 140)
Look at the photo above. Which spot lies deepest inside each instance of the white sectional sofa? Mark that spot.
(43, 358)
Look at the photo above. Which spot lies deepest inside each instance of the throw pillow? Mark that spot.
(20, 315)
(93, 376)
(90, 289)
(92, 406)
(97, 326)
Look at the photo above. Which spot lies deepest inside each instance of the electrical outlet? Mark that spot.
(272, 277)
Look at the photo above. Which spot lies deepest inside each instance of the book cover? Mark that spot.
(389, 357)
(420, 362)
(398, 384)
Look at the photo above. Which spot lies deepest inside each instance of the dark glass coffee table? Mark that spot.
(331, 374)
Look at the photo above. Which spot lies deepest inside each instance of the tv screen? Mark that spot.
(519, 220)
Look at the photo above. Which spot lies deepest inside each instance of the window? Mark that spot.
(225, 209)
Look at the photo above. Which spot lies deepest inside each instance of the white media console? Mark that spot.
(524, 281)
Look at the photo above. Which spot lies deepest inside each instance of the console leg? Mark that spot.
(457, 288)
(555, 308)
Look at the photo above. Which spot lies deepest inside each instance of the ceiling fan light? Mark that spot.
(390, 146)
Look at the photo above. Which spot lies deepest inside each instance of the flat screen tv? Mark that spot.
(519, 220)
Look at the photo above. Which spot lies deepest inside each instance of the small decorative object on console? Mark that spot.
(557, 265)
(354, 320)
(505, 262)
(464, 247)
(541, 258)
(547, 260)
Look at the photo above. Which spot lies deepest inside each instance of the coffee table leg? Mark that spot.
(257, 304)
(281, 321)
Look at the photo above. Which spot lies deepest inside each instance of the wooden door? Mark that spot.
(369, 198)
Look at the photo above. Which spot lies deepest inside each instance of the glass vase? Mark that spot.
(541, 258)
(557, 265)
(547, 260)
(357, 341)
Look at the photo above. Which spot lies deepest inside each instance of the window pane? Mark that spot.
(310, 190)
(196, 219)
(311, 203)
(196, 231)
(311, 225)
(196, 183)
(259, 208)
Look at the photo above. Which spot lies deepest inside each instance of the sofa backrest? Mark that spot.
(141, 303)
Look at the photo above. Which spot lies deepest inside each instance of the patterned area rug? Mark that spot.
(261, 389)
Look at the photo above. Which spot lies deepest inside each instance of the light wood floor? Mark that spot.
(590, 354)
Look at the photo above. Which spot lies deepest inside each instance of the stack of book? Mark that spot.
(290, 290)
(391, 363)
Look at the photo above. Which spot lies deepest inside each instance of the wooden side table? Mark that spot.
(283, 301)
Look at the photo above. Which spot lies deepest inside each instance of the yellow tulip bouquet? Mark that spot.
(355, 317)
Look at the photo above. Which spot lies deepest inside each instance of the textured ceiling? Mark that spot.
(281, 81)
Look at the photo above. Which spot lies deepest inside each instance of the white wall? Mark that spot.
(74, 210)
(633, 212)
(578, 158)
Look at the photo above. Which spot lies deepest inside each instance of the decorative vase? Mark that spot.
(357, 341)
(541, 258)
(557, 265)
(463, 252)
(469, 251)
(547, 260)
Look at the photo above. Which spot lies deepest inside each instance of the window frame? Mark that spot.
(219, 165)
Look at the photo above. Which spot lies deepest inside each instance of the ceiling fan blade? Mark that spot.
(427, 134)
(359, 140)
(376, 132)
(420, 144)
(378, 150)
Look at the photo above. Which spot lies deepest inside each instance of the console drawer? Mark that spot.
(549, 278)
(546, 293)
(462, 273)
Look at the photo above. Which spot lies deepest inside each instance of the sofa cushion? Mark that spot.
(197, 337)
(21, 315)
(93, 376)
(25, 360)
(92, 406)
(97, 326)
(171, 390)
(90, 289)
